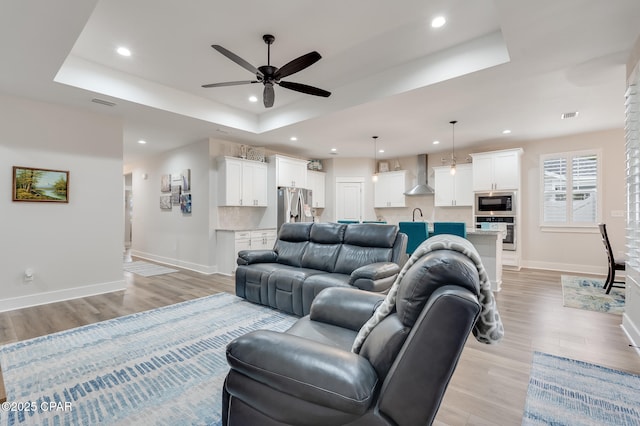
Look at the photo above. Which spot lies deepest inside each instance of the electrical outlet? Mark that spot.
(28, 275)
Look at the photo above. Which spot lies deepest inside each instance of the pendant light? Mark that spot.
(453, 150)
(374, 178)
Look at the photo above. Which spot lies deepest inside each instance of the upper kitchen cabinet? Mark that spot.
(316, 183)
(242, 182)
(291, 172)
(453, 190)
(389, 189)
(497, 170)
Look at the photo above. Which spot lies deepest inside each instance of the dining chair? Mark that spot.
(455, 228)
(613, 264)
(416, 232)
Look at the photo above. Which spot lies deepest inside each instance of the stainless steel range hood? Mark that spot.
(422, 188)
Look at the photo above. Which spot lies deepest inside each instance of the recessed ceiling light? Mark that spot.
(334, 149)
(506, 131)
(436, 142)
(253, 99)
(381, 151)
(569, 115)
(142, 142)
(293, 138)
(438, 22)
(123, 51)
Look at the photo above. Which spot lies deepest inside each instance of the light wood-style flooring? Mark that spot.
(488, 387)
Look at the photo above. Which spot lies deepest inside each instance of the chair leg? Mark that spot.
(611, 283)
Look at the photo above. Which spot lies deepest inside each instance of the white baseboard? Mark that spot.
(59, 295)
(565, 267)
(203, 269)
(632, 332)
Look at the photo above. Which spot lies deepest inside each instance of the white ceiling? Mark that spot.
(497, 64)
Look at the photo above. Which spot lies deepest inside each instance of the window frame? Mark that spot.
(569, 225)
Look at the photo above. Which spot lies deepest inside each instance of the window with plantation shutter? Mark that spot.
(570, 189)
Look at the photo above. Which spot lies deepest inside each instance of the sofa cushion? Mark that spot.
(316, 283)
(432, 271)
(383, 344)
(290, 253)
(320, 256)
(292, 241)
(324, 333)
(327, 233)
(324, 245)
(371, 235)
(352, 257)
(285, 289)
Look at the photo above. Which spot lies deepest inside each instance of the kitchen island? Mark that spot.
(489, 246)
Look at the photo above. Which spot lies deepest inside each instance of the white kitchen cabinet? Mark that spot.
(290, 172)
(453, 190)
(242, 183)
(254, 184)
(316, 183)
(497, 170)
(230, 242)
(263, 239)
(389, 189)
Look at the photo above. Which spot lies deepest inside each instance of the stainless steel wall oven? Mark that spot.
(500, 223)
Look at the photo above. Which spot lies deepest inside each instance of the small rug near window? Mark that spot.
(589, 294)
(165, 366)
(147, 269)
(564, 391)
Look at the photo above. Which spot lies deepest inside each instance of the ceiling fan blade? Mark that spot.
(268, 95)
(237, 59)
(309, 90)
(230, 83)
(297, 64)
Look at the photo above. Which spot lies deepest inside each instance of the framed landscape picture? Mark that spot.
(40, 185)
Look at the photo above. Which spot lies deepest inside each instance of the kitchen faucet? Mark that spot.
(414, 213)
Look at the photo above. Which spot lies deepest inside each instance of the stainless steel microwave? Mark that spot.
(495, 203)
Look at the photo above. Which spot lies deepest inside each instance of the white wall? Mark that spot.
(579, 252)
(171, 236)
(74, 249)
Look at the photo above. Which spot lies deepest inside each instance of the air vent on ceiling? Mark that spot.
(102, 102)
(569, 115)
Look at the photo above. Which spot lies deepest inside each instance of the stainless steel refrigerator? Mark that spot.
(294, 205)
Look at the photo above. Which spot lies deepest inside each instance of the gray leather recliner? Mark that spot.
(309, 376)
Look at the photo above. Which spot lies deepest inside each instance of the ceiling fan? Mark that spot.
(269, 75)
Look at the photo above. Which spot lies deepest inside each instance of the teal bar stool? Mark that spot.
(416, 232)
(348, 221)
(454, 228)
(374, 221)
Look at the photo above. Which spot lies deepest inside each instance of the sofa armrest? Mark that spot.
(247, 257)
(345, 307)
(305, 369)
(375, 276)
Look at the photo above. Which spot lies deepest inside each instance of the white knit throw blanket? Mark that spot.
(488, 329)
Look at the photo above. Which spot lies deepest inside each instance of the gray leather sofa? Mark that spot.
(309, 375)
(309, 257)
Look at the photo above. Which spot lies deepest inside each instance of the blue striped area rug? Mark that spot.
(160, 367)
(564, 391)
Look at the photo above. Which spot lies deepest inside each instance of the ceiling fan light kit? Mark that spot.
(269, 75)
